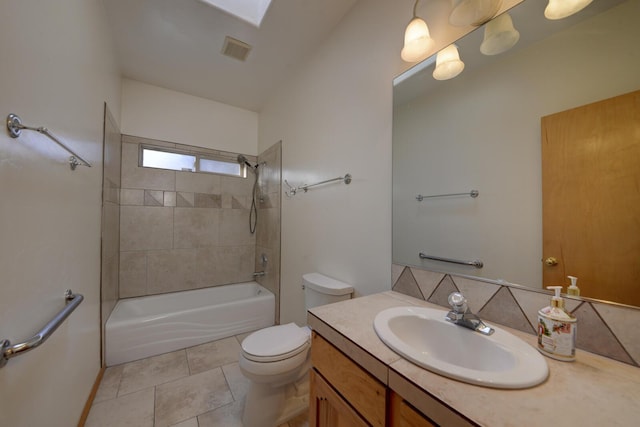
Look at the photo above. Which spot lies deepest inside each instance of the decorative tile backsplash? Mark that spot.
(610, 330)
(182, 230)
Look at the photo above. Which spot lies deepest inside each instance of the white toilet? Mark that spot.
(276, 360)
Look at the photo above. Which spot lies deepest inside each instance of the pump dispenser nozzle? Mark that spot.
(556, 300)
(573, 289)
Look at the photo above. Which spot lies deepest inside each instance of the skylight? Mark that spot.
(251, 11)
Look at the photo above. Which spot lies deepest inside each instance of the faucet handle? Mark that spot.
(458, 302)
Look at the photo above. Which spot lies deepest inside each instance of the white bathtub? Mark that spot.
(146, 326)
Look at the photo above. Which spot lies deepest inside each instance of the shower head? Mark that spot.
(243, 161)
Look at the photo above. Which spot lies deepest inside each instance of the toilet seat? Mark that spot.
(276, 343)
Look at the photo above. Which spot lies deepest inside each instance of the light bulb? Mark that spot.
(417, 41)
(558, 9)
(448, 63)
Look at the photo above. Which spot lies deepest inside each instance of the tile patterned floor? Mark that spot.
(200, 386)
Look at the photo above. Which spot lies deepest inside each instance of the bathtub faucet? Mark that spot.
(258, 274)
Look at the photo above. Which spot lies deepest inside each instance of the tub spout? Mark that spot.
(258, 274)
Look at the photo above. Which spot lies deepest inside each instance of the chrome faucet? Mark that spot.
(461, 315)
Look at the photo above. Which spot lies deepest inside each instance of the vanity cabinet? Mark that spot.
(342, 393)
(345, 395)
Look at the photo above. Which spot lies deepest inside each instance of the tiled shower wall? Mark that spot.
(268, 226)
(182, 230)
(610, 330)
(110, 229)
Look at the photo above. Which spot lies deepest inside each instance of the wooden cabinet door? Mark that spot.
(591, 198)
(327, 408)
(401, 414)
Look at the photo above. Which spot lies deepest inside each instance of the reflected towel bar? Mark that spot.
(475, 263)
(15, 127)
(293, 190)
(7, 351)
(472, 193)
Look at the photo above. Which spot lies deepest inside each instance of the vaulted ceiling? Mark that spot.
(177, 45)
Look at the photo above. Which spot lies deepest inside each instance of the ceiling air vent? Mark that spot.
(235, 48)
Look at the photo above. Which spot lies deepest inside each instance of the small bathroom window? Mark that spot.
(163, 158)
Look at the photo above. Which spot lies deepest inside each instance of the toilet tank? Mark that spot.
(320, 290)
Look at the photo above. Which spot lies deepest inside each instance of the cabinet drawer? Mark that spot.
(366, 394)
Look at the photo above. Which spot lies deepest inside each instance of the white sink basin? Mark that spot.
(423, 336)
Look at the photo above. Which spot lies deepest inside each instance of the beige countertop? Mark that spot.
(592, 391)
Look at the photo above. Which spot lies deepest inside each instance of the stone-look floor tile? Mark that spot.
(191, 422)
(212, 355)
(131, 410)
(191, 396)
(109, 384)
(228, 416)
(241, 337)
(301, 420)
(153, 371)
(238, 383)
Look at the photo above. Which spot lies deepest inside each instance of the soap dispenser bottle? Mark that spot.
(573, 290)
(557, 329)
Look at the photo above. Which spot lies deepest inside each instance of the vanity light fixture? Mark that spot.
(417, 40)
(448, 63)
(499, 35)
(473, 12)
(558, 9)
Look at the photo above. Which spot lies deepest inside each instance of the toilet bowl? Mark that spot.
(276, 360)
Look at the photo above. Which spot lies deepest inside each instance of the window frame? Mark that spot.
(198, 156)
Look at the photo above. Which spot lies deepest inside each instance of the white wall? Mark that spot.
(482, 130)
(157, 113)
(57, 70)
(334, 116)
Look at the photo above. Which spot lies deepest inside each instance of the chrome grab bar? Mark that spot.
(475, 263)
(15, 127)
(472, 194)
(7, 351)
(293, 190)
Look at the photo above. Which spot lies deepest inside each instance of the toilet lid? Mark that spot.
(276, 342)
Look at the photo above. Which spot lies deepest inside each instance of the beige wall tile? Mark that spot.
(172, 270)
(133, 274)
(227, 264)
(169, 198)
(131, 196)
(195, 228)
(130, 139)
(237, 186)
(206, 183)
(145, 228)
(234, 228)
(623, 321)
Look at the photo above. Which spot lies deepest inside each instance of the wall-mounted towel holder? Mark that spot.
(294, 190)
(15, 128)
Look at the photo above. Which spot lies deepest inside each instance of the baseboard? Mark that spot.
(92, 395)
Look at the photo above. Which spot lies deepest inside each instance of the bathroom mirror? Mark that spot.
(482, 131)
